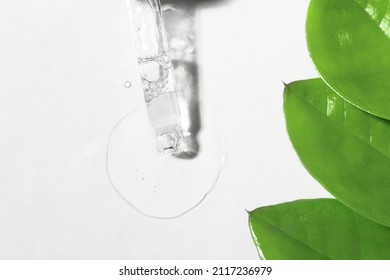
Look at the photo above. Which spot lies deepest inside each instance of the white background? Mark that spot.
(62, 68)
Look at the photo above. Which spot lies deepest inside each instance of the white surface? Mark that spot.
(63, 65)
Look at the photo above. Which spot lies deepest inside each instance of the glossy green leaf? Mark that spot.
(345, 149)
(317, 229)
(349, 42)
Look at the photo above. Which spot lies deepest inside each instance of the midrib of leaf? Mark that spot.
(339, 124)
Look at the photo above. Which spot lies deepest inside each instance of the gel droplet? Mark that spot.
(157, 185)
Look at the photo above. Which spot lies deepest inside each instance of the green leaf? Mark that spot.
(345, 149)
(349, 42)
(317, 229)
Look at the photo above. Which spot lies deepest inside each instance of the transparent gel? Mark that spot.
(161, 186)
(165, 157)
(155, 68)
